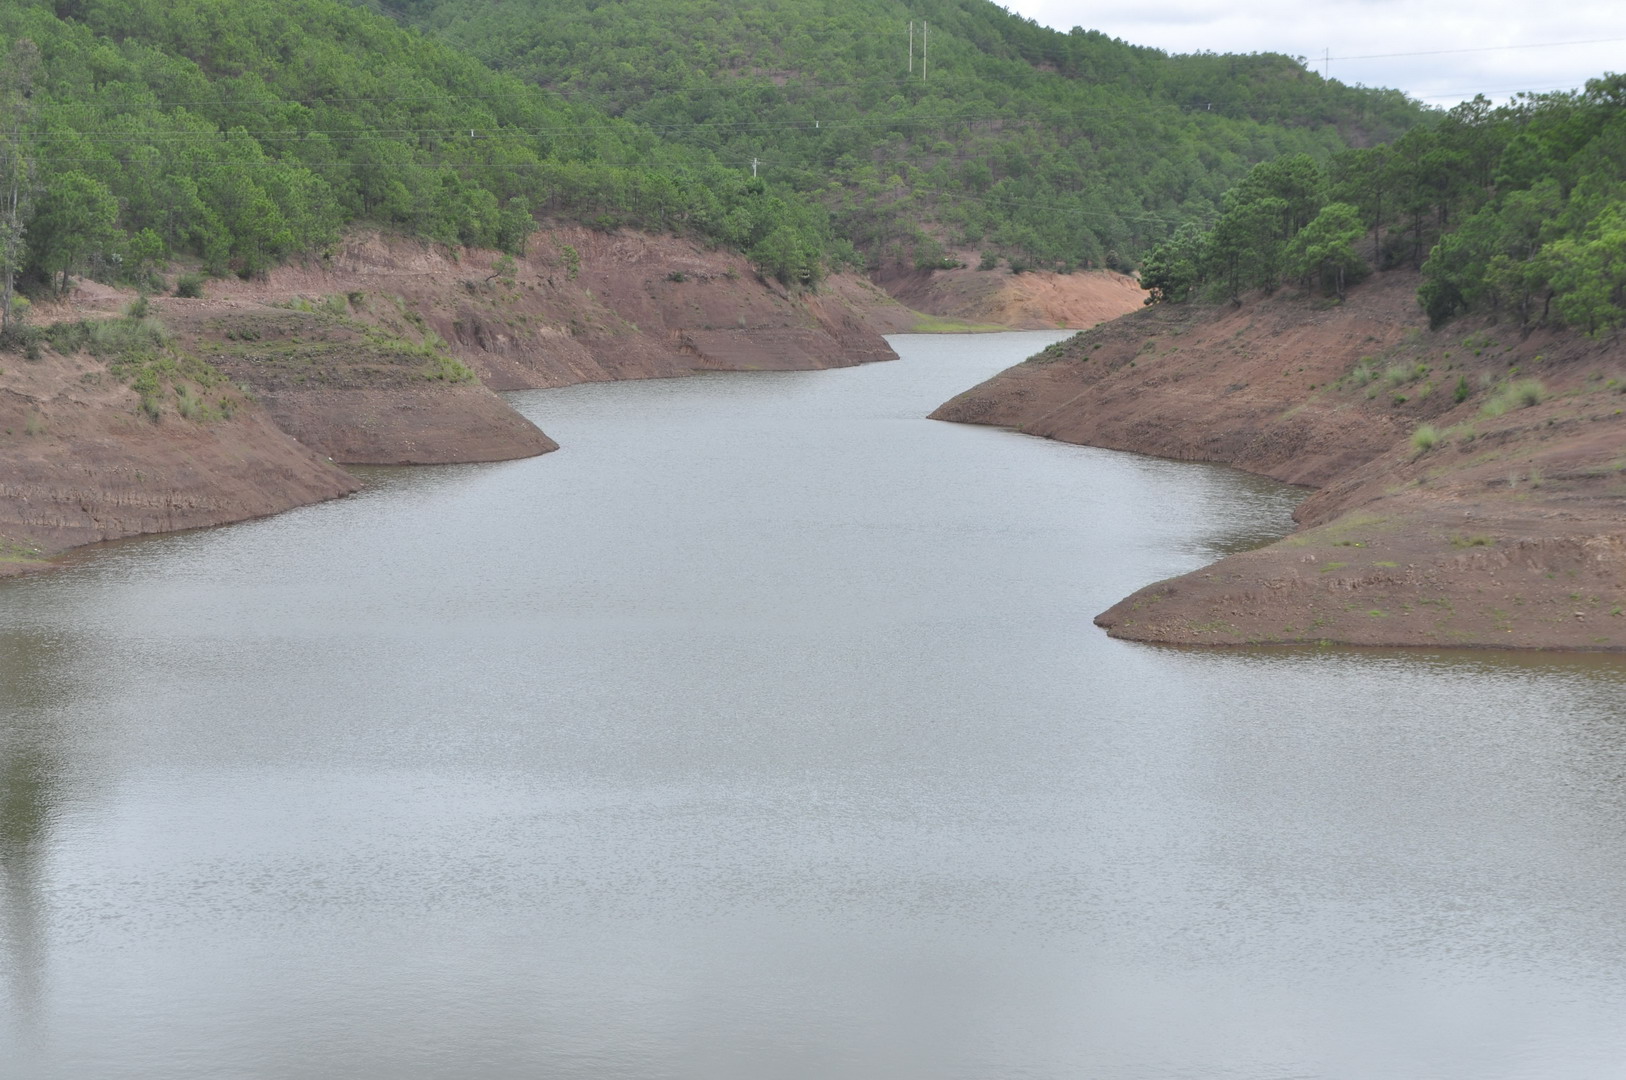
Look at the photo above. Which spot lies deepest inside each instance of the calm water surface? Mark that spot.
(762, 732)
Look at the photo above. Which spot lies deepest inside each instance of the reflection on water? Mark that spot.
(26, 798)
(763, 731)
(1256, 510)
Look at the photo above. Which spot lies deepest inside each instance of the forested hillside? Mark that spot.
(243, 131)
(1052, 149)
(1518, 210)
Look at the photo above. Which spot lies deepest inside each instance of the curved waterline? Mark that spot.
(762, 731)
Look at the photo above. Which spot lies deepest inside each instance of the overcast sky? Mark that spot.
(1362, 28)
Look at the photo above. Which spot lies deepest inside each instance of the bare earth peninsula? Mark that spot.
(1469, 483)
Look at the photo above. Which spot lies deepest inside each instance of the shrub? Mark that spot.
(109, 337)
(190, 286)
(1528, 392)
(187, 403)
(1425, 438)
(21, 337)
(1521, 393)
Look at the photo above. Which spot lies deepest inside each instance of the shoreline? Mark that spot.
(247, 401)
(1468, 485)
(391, 351)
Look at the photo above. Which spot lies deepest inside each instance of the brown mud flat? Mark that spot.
(1471, 482)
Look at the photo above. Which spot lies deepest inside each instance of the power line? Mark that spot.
(1014, 202)
(452, 137)
(1455, 95)
(1025, 53)
(493, 64)
(541, 98)
(504, 132)
(1486, 48)
(1048, 116)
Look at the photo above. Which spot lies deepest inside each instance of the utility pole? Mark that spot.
(753, 168)
(1326, 62)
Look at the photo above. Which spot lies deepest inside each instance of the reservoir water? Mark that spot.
(762, 732)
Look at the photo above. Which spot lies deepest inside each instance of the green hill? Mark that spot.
(1048, 148)
(1517, 210)
(244, 131)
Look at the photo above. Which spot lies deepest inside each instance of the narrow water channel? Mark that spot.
(762, 731)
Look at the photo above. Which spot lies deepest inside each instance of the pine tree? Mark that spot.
(16, 165)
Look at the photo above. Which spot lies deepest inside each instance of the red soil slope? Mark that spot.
(345, 358)
(80, 462)
(1035, 300)
(1501, 524)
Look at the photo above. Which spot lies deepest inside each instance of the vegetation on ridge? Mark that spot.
(241, 132)
(1049, 149)
(1519, 210)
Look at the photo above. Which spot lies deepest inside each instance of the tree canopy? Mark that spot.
(242, 132)
(245, 131)
(1518, 210)
(978, 128)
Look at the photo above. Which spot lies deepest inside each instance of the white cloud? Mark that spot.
(1363, 28)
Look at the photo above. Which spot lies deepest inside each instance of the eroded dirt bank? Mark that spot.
(361, 381)
(1471, 483)
(82, 461)
(1034, 300)
(586, 306)
(385, 351)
